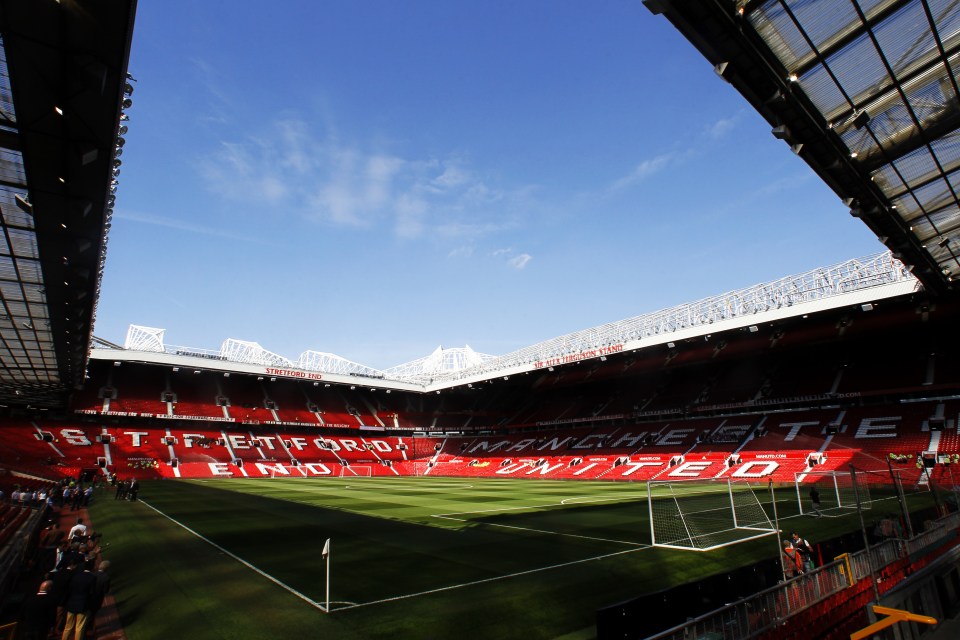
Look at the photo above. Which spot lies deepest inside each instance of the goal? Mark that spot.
(354, 471)
(702, 516)
(836, 489)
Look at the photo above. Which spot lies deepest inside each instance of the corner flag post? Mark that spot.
(326, 556)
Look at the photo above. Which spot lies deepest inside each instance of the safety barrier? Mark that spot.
(763, 614)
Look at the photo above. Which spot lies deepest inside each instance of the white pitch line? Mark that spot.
(266, 575)
(552, 533)
(485, 580)
(590, 500)
(531, 506)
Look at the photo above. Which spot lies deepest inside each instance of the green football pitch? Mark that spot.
(409, 557)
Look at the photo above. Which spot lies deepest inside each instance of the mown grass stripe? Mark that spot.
(262, 573)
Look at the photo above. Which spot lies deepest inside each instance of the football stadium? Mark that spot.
(779, 460)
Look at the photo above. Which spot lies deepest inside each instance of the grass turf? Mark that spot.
(508, 558)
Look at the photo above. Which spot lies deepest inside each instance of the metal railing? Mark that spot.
(751, 616)
(864, 563)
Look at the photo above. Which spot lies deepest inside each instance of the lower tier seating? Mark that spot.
(754, 447)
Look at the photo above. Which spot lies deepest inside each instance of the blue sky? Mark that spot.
(375, 179)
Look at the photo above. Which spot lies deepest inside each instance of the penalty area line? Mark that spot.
(486, 580)
(264, 574)
(552, 533)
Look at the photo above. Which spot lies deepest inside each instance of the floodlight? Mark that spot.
(24, 204)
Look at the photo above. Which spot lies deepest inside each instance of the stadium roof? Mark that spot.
(849, 284)
(866, 92)
(63, 71)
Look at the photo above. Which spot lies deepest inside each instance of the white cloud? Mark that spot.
(180, 225)
(465, 251)
(721, 128)
(520, 261)
(289, 168)
(644, 170)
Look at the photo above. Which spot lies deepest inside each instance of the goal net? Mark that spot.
(702, 516)
(354, 471)
(836, 490)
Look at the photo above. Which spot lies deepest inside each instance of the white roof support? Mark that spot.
(819, 284)
(851, 282)
(331, 363)
(144, 339)
(439, 362)
(251, 353)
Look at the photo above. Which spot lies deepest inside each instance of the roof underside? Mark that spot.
(866, 93)
(62, 73)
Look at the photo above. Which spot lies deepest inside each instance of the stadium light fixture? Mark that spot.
(23, 204)
(866, 307)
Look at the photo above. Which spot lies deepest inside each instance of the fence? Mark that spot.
(763, 611)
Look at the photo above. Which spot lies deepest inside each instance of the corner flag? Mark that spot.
(326, 556)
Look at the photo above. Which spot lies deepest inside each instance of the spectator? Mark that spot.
(78, 603)
(76, 498)
(101, 589)
(78, 530)
(792, 564)
(804, 549)
(39, 613)
(61, 578)
(815, 501)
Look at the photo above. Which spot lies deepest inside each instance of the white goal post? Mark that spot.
(835, 489)
(701, 516)
(354, 471)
